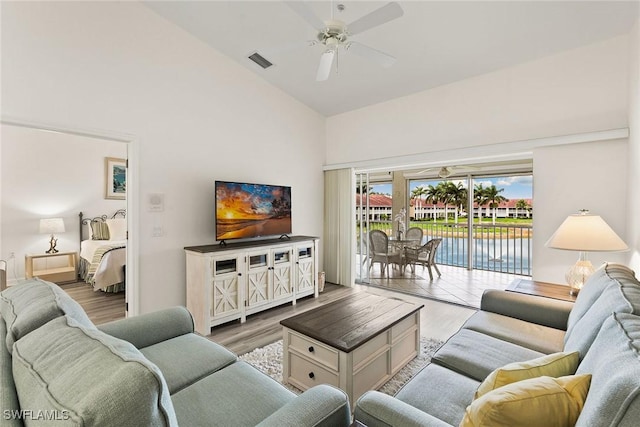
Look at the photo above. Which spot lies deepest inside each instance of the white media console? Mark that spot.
(229, 282)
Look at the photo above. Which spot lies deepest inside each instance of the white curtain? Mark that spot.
(339, 223)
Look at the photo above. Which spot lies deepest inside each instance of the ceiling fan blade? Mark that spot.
(379, 16)
(371, 54)
(303, 9)
(326, 61)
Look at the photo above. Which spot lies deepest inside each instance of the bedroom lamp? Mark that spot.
(584, 233)
(52, 226)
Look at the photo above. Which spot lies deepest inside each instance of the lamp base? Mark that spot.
(52, 246)
(579, 273)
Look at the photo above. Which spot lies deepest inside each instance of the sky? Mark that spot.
(515, 187)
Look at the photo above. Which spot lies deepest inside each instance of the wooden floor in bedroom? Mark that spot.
(101, 307)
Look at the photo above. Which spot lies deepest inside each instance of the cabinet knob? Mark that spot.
(311, 375)
(311, 349)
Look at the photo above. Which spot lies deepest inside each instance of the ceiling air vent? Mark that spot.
(260, 60)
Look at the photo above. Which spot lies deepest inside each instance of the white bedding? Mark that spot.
(109, 271)
(88, 247)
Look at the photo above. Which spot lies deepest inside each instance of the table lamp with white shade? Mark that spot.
(584, 233)
(52, 226)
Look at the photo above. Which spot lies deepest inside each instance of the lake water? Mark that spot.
(502, 255)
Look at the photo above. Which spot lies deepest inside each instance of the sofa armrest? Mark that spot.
(322, 405)
(375, 409)
(151, 328)
(531, 308)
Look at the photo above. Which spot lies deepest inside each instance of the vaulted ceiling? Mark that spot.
(434, 42)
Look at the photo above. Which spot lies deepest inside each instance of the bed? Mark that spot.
(103, 251)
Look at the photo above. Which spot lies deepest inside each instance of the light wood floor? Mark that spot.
(101, 307)
(438, 320)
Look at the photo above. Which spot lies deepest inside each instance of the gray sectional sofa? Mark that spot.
(150, 370)
(602, 326)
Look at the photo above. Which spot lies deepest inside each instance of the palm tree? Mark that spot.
(432, 196)
(445, 197)
(479, 198)
(417, 194)
(522, 204)
(363, 189)
(459, 197)
(494, 198)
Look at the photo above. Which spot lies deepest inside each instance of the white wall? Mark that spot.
(633, 212)
(578, 91)
(45, 175)
(569, 178)
(581, 90)
(195, 114)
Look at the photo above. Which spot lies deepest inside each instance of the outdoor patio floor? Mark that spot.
(456, 285)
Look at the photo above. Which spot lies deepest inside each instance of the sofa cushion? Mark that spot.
(620, 295)
(238, 395)
(606, 275)
(8, 395)
(89, 378)
(542, 401)
(476, 354)
(526, 334)
(614, 363)
(31, 304)
(204, 358)
(551, 365)
(440, 392)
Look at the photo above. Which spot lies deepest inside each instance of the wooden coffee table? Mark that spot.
(356, 343)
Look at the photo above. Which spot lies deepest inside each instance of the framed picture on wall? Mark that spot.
(115, 178)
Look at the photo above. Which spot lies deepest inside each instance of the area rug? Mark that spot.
(268, 359)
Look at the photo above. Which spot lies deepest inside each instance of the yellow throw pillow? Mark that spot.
(536, 402)
(551, 365)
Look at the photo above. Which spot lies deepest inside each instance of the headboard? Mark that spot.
(120, 213)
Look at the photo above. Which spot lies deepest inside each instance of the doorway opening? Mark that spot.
(480, 215)
(57, 172)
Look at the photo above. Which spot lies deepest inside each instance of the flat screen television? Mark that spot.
(246, 210)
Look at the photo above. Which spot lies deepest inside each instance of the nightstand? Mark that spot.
(543, 289)
(61, 267)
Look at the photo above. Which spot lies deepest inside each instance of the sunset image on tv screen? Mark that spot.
(252, 210)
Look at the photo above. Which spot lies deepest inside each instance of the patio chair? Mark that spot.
(381, 252)
(424, 255)
(414, 233)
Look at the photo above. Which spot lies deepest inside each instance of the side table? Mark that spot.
(64, 271)
(543, 289)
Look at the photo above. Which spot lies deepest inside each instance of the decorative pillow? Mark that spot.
(551, 365)
(99, 231)
(117, 228)
(542, 401)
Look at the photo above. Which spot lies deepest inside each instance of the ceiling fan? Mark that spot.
(334, 34)
(446, 171)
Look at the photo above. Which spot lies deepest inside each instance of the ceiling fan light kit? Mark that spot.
(334, 34)
(444, 172)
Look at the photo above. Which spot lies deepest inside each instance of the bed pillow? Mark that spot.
(117, 228)
(542, 401)
(551, 365)
(99, 231)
